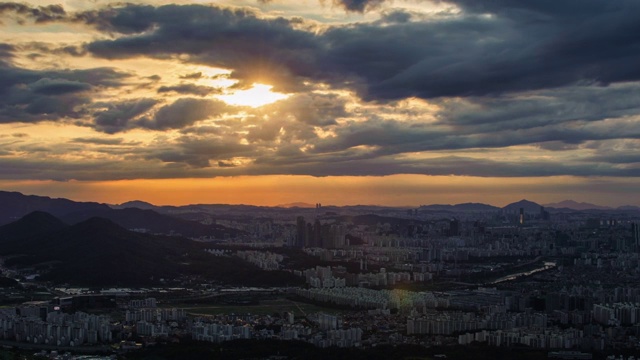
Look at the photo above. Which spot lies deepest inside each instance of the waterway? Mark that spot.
(546, 266)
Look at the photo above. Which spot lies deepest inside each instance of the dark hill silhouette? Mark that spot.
(16, 205)
(466, 207)
(98, 251)
(528, 206)
(16, 236)
(136, 204)
(35, 223)
(134, 218)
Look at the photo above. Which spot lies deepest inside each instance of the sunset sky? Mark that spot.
(402, 102)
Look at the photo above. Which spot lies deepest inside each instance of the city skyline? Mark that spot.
(397, 103)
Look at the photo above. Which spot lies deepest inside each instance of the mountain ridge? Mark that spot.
(15, 205)
(571, 204)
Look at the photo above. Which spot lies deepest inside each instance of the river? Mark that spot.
(546, 266)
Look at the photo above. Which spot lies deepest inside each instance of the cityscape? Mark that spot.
(319, 179)
(125, 280)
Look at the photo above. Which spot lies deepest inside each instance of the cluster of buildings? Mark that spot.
(617, 314)
(320, 329)
(149, 320)
(589, 301)
(218, 332)
(535, 338)
(42, 324)
(265, 260)
(329, 277)
(448, 323)
(317, 234)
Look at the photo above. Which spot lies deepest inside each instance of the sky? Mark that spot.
(343, 102)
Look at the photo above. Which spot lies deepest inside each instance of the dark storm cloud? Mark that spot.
(31, 95)
(225, 164)
(183, 112)
(267, 49)
(392, 137)
(172, 165)
(313, 109)
(48, 86)
(541, 108)
(86, 170)
(396, 16)
(99, 141)
(559, 76)
(446, 165)
(37, 49)
(6, 51)
(491, 48)
(358, 5)
(189, 89)
(117, 116)
(196, 75)
(40, 14)
(520, 47)
(128, 19)
(198, 152)
(12, 77)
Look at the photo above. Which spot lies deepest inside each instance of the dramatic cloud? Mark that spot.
(367, 87)
(189, 89)
(199, 151)
(40, 14)
(117, 117)
(471, 54)
(358, 5)
(183, 112)
(47, 86)
(237, 39)
(6, 52)
(99, 141)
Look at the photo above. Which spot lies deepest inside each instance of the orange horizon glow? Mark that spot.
(272, 190)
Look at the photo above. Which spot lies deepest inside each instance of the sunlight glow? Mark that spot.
(258, 95)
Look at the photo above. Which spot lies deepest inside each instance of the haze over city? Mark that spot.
(396, 103)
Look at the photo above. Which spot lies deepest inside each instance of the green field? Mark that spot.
(266, 307)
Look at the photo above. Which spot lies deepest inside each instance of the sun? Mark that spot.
(258, 95)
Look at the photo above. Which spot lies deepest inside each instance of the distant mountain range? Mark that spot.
(154, 222)
(465, 207)
(14, 205)
(570, 204)
(188, 219)
(528, 206)
(297, 205)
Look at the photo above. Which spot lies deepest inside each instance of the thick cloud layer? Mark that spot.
(486, 88)
(32, 96)
(490, 49)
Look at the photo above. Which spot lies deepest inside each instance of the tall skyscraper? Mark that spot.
(301, 233)
(521, 220)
